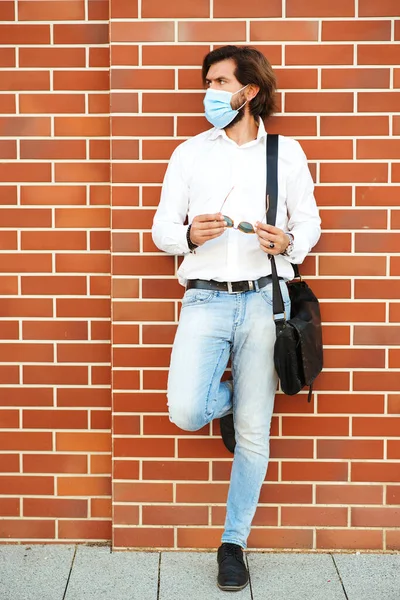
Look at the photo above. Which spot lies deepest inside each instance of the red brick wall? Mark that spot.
(55, 271)
(334, 476)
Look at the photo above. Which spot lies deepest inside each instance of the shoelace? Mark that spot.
(232, 550)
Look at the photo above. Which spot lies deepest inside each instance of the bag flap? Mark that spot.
(310, 342)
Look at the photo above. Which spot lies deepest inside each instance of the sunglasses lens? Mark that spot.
(246, 227)
(228, 221)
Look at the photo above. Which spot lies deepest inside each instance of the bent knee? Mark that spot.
(186, 421)
(185, 417)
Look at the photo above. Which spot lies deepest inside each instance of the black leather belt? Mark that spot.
(233, 287)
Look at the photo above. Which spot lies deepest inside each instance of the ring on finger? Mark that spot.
(271, 245)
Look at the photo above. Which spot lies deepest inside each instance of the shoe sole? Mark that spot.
(232, 588)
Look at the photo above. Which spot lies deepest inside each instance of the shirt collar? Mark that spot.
(216, 132)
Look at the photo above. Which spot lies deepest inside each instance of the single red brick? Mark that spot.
(142, 537)
(84, 486)
(316, 471)
(52, 57)
(54, 463)
(356, 30)
(355, 78)
(160, 31)
(54, 507)
(27, 529)
(328, 54)
(284, 30)
(360, 449)
(175, 9)
(349, 539)
(84, 530)
(83, 442)
(314, 8)
(212, 31)
(253, 8)
(385, 8)
(175, 515)
(306, 515)
(25, 34)
(349, 494)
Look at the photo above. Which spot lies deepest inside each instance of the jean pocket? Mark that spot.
(194, 297)
(266, 293)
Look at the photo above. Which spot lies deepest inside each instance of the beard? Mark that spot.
(237, 119)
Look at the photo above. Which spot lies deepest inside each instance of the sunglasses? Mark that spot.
(244, 226)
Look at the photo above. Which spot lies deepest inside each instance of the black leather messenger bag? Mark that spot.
(298, 351)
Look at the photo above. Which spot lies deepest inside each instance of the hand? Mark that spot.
(207, 227)
(268, 234)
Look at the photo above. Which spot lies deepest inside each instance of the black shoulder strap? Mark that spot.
(272, 178)
(272, 187)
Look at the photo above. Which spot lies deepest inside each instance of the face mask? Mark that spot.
(218, 109)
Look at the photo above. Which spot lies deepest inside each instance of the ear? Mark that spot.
(252, 91)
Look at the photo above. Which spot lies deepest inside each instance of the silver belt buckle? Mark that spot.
(251, 286)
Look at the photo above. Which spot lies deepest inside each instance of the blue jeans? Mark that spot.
(214, 326)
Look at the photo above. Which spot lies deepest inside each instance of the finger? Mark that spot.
(211, 225)
(270, 228)
(209, 217)
(210, 232)
(213, 236)
(267, 236)
(265, 245)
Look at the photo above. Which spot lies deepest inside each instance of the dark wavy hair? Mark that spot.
(251, 67)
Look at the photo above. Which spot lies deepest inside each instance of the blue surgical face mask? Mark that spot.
(218, 109)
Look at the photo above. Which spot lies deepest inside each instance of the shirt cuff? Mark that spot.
(176, 244)
(301, 247)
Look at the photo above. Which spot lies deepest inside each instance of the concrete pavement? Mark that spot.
(67, 572)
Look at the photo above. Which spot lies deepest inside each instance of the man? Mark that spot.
(217, 180)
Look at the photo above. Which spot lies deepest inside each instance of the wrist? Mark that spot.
(192, 246)
(289, 248)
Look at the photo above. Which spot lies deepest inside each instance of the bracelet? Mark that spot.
(191, 245)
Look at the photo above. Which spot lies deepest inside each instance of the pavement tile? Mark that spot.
(33, 572)
(99, 573)
(294, 577)
(370, 576)
(186, 575)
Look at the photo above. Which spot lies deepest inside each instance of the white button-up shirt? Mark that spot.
(201, 173)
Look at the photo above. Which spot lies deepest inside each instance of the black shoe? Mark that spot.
(228, 432)
(232, 573)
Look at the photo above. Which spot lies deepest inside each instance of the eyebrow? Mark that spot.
(222, 77)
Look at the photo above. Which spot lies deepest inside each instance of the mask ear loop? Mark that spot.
(244, 103)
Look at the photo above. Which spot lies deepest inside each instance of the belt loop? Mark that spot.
(229, 286)
(257, 287)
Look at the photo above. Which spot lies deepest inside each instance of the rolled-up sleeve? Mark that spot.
(303, 216)
(169, 231)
